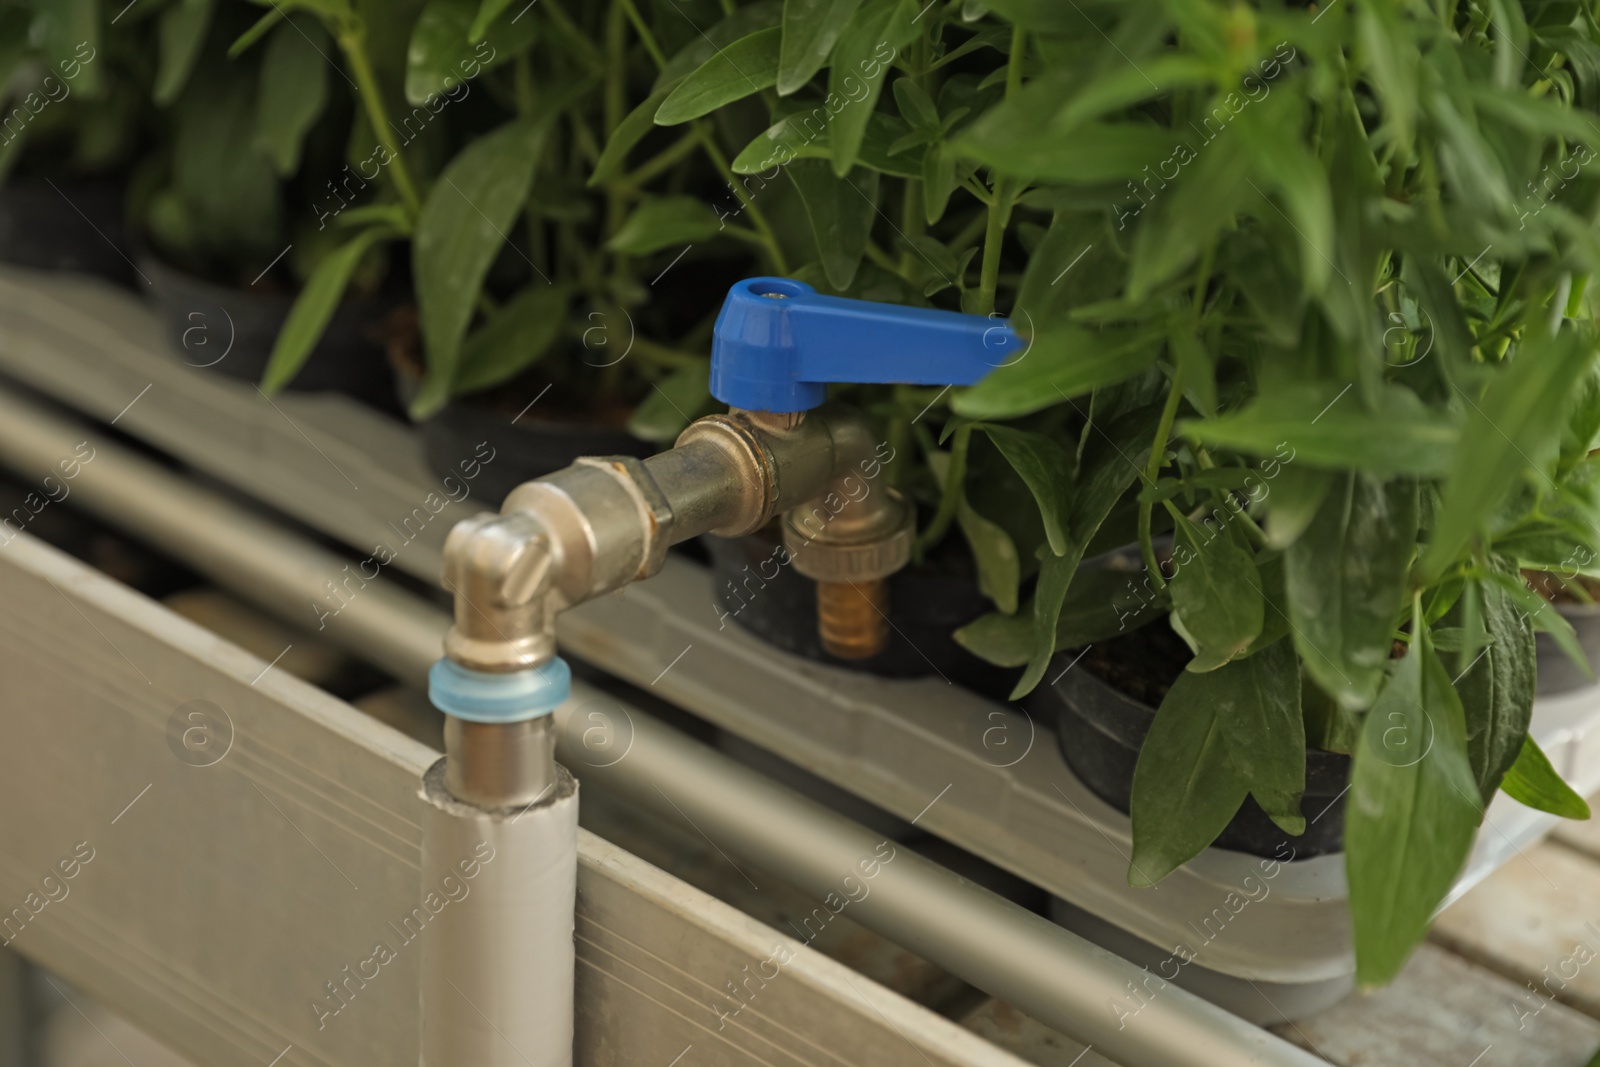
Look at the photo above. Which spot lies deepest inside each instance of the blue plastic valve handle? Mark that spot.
(778, 343)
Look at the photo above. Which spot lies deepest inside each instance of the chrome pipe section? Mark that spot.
(497, 967)
(500, 765)
(1049, 973)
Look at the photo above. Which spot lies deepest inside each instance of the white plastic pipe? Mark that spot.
(498, 961)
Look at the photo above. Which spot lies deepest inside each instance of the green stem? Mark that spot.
(769, 240)
(975, 187)
(1252, 530)
(1019, 40)
(901, 431)
(884, 259)
(353, 44)
(584, 138)
(950, 496)
(522, 84)
(577, 38)
(615, 103)
(645, 36)
(745, 234)
(993, 237)
(659, 163)
(1002, 194)
(969, 232)
(1158, 454)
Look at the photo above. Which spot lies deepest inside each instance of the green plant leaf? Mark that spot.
(1107, 474)
(445, 48)
(804, 135)
(861, 60)
(1346, 579)
(672, 404)
(1496, 689)
(1103, 604)
(1095, 152)
(488, 13)
(1294, 496)
(1412, 814)
(695, 46)
(461, 229)
(515, 338)
(1006, 640)
(1046, 468)
(665, 222)
(314, 307)
(746, 66)
(810, 30)
(60, 29)
(229, 191)
(1532, 781)
(841, 211)
(1544, 618)
(1216, 594)
(629, 132)
(1062, 362)
(1217, 737)
(294, 90)
(1285, 166)
(359, 218)
(1049, 595)
(999, 567)
(183, 31)
(1507, 429)
(1275, 608)
(1326, 426)
(1123, 86)
(938, 181)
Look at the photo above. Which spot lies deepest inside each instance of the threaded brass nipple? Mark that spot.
(852, 617)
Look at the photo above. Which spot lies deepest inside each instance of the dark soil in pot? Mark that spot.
(75, 226)
(1557, 673)
(926, 605)
(1104, 706)
(231, 331)
(519, 430)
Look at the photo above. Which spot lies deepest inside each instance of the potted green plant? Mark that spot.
(244, 140)
(1276, 317)
(471, 168)
(1376, 360)
(703, 144)
(71, 122)
(1307, 303)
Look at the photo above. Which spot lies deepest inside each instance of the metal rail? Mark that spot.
(1011, 953)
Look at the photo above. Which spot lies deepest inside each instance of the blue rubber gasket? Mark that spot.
(481, 696)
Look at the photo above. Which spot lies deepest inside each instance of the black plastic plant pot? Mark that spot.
(231, 332)
(1557, 673)
(1101, 729)
(523, 446)
(74, 226)
(757, 589)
